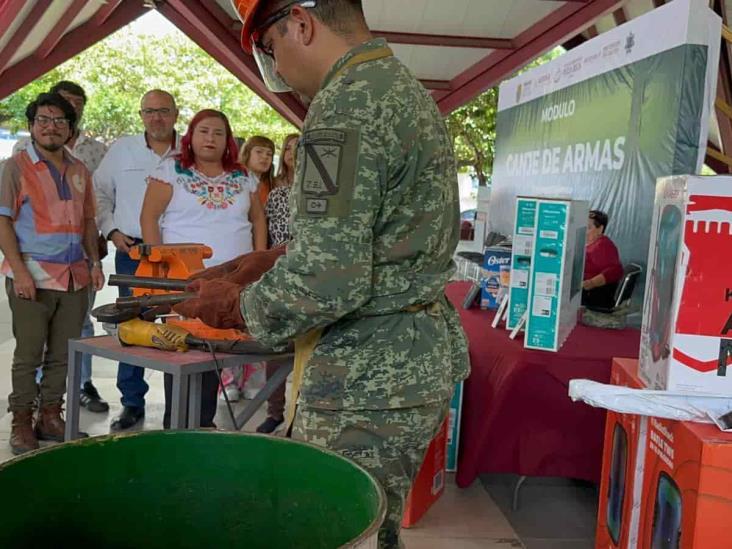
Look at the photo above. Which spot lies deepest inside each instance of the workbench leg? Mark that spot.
(179, 402)
(279, 377)
(72, 393)
(516, 492)
(194, 401)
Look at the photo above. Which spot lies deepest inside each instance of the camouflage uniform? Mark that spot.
(375, 222)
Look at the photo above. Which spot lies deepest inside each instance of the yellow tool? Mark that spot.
(150, 334)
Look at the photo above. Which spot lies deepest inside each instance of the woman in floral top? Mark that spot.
(277, 210)
(204, 195)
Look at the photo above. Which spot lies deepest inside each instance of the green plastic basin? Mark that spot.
(188, 489)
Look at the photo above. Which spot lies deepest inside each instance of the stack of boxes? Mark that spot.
(547, 265)
(665, 483)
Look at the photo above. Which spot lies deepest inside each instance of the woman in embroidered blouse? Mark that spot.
(203, 195)
(256, 156)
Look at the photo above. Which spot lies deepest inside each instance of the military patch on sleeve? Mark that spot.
(327, 177)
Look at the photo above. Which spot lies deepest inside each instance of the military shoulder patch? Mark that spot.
(328, 161)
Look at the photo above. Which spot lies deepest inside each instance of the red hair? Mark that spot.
(229, 161)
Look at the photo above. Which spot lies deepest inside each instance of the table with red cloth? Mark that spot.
(517, 416)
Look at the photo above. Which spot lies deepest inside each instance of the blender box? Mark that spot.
(557, 268)
(523, 242)
(686, 336)
(494, 277)
(453, 429)
(618, 518)
(429, 484)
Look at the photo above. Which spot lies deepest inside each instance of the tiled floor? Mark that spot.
(461, 519)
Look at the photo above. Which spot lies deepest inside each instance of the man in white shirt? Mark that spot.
(90, 152)
(120, 187)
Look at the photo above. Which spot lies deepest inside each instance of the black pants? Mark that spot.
(209, 393)
(600, 298)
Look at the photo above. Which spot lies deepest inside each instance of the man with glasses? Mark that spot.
(374, 224)
(90, 152)
(48, 236)
(120, 186)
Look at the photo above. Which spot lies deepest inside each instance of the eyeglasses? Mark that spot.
(149, 113)
(58, 122)
(271, 20)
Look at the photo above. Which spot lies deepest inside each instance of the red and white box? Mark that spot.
(686, 339)
(429, 483)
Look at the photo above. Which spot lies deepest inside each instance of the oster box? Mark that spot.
(622, 468)
(686, 338)
(430, 481)
(495, 276)
(687, 486)
(523, 244)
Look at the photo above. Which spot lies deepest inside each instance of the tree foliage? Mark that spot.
(472, 128)
(117, 71)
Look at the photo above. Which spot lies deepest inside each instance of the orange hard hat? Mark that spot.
(247, 9)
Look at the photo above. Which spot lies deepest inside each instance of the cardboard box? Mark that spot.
(495, 276)
(686, 338)
(523, 244)
(622, 471)
(687, 486)
(429, 482)
(453, 428)
(665, 484)
(557, 267)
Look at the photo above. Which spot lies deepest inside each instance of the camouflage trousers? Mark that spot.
(389, 444)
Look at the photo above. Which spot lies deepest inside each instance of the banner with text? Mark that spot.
(603, 121)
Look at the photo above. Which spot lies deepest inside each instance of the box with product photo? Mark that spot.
(621, 481)
(557, 267)
(495, 276)
(429, 484)
(686, 336)
(453, 428)
(523, 242)
(687, 486)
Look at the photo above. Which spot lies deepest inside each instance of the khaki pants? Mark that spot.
(42, 329)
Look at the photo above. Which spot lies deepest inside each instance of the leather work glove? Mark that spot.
(244, 269)
(216, 305)
(252, 266)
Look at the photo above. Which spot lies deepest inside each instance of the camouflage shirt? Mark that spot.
(374, 225)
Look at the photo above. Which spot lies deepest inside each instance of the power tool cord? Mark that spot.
(221, 384)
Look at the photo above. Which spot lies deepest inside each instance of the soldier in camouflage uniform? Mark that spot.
(375, 223)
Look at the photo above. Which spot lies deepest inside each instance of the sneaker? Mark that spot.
(90, 399)
(232, 392)
(270, 424)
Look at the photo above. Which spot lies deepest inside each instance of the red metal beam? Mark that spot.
(9, 10)
(436, 84)
(221, 16)
(59, 29)
(444, 40)
(718, 166)
(592, 31)
(104, 12)
(556, 28)
(620, 17)
(73, 43)
(205, 30)
(22, 32)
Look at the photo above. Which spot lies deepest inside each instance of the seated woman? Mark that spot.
(203, 195)
(603, 269)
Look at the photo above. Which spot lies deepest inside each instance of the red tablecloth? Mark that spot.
(517, 416)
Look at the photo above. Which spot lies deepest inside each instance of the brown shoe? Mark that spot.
(22, 438)
(49, 425)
